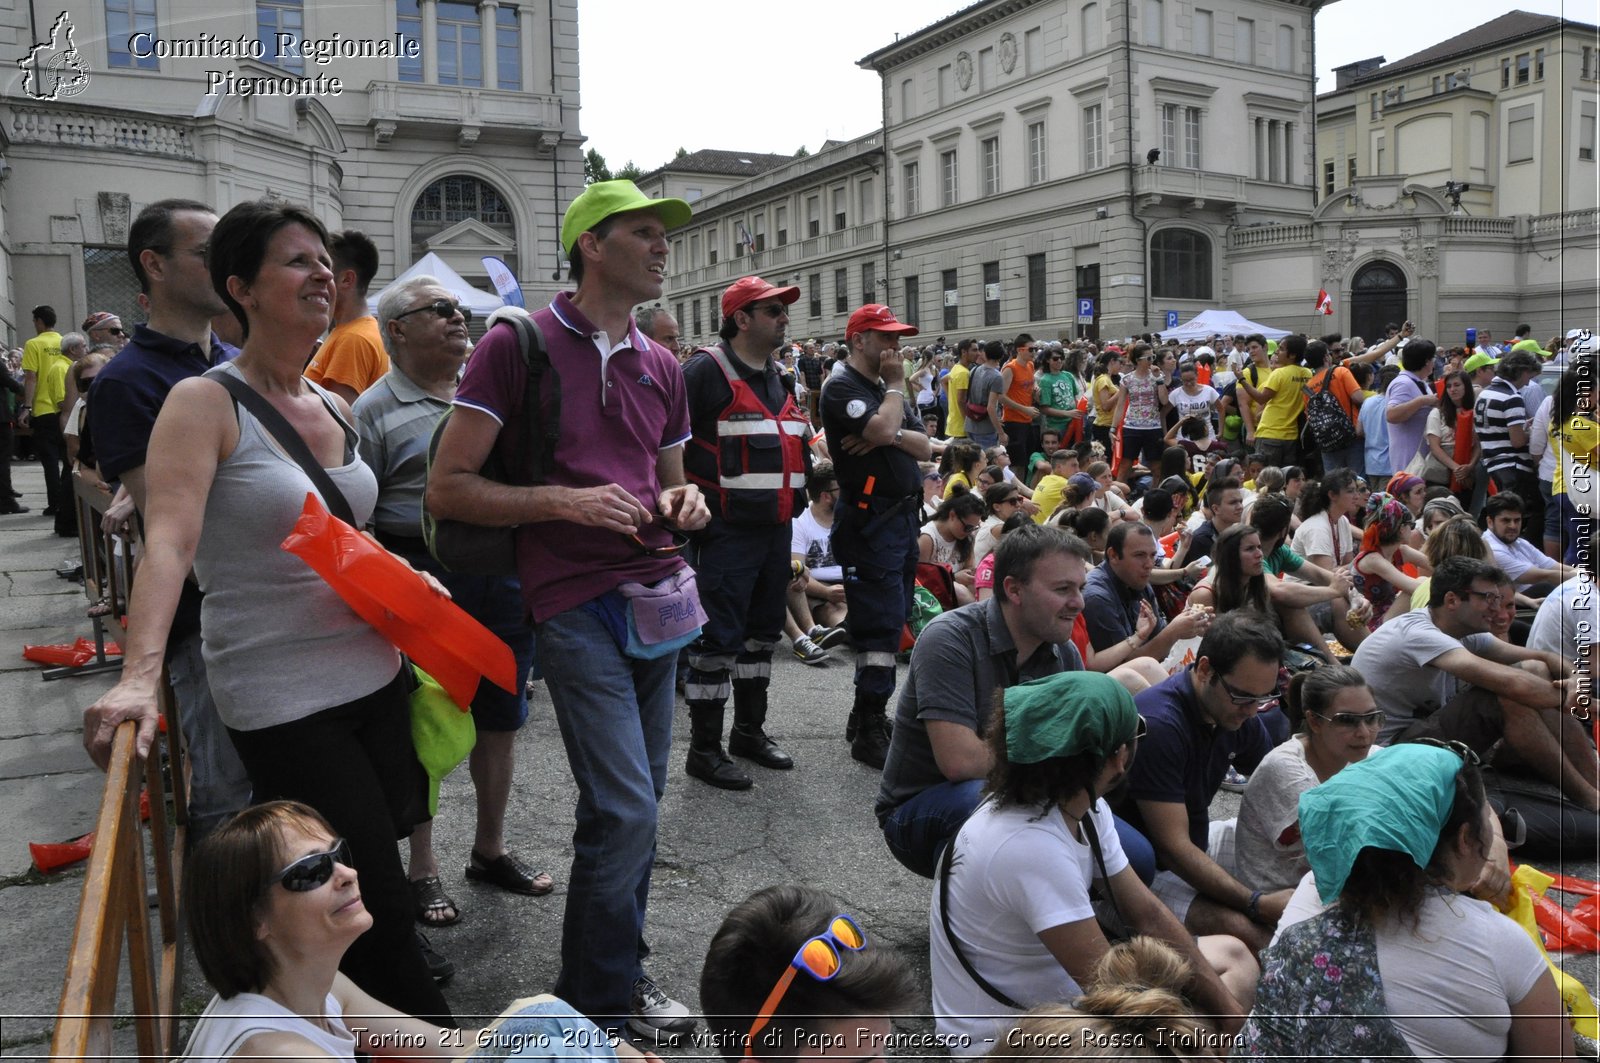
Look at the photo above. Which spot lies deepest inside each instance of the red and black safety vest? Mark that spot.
(755, 470)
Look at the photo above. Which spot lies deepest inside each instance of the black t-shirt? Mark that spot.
(848, 403)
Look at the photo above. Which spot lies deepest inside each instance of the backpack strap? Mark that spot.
(536, 443)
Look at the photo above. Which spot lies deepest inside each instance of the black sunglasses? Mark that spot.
(1240, 697)
(773, 310)
(311, 871)
(443, 307)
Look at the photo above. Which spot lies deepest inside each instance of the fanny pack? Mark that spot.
(647, 622)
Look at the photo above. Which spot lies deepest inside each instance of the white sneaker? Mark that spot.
(654, 1014)
(1233, 782)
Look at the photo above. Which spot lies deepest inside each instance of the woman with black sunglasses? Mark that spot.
(1336, 722)
(314, 698)
(273, 901)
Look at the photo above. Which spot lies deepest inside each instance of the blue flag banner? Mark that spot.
(505, 282)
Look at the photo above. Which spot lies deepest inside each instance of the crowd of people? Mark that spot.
(1085, 587)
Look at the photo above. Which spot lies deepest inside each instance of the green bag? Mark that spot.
(924, 607)
(442, 734)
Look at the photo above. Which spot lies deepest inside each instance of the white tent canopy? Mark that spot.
(431, 265)
(1210, 323)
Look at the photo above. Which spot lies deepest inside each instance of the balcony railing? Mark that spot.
(1203, 185)
(1270, 236)
(1546, 224)
(69, 126)
(1468, 226)
(392, 103)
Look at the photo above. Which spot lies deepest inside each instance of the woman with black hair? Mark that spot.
(1325, 537)
(1380, 953)
(947, 540)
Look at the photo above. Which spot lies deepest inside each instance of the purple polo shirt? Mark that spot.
(1405, 437)
(617, 414)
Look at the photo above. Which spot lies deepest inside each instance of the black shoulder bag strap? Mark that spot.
(539, 433)
(950, 935)
(281, 430)
(1121, 931)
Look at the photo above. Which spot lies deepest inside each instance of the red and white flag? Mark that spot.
(1324, 302)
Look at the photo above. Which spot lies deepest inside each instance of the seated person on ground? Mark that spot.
(1012, 893)
(1052, 489)
(1533, 573)
(1135, 1007)
(1118, 592)
(947, 540)
(790, 974)
(1201, 720)
(1438, 673)
(1336, 722)
(811, 545)
(1378, 573)
(1293, 599)
(1422, 972)
(983, 576)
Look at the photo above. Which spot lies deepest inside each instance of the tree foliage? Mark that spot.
(595, 168)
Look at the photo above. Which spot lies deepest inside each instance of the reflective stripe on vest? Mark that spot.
(753, 482)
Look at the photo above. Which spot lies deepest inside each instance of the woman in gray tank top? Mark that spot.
(313, 697)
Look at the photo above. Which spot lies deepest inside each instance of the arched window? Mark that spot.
(1180, 264)
(454, 199)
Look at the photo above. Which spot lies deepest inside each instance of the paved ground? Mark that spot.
(813, 825)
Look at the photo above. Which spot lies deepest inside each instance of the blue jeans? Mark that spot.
(983, 439)
(615, 715)
(1352, 457)
(218, 783)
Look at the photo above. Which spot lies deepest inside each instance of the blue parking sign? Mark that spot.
(1172, 319)
(1085, 311)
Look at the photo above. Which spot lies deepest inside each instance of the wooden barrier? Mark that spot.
(114, 907)
(107, 561)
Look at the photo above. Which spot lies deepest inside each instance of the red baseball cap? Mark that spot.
(875, 317)
(746, 290)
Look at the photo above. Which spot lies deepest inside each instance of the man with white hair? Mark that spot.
(396, 418)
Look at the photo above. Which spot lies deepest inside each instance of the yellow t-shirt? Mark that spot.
(1281, 415)
(1097, 390)
(1575, 439)
(955, 418)
(51, 390)
(952, 480)
(1047, 495)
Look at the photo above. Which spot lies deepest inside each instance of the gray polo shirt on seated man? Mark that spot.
(1395, 661)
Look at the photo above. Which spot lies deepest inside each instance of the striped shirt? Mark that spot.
(1498, 408)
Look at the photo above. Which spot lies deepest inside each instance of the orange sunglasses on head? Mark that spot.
(820, 958)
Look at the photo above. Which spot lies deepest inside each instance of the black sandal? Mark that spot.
(510, 874)
(429, 897)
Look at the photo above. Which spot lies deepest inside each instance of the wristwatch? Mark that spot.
(899, 434)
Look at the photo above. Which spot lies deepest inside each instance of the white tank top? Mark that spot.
(226, 1024)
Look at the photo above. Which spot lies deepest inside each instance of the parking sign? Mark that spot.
(1085, 311)
(1172, 319)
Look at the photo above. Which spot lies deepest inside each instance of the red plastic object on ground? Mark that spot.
(391, 596)
(68, 654)
(50, 857)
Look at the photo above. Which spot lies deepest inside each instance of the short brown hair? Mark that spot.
(224, 885)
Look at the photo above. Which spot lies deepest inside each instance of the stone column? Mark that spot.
(1288, 153)
(430, 41)
(527, 19)
(487, 29)
(1258, 149)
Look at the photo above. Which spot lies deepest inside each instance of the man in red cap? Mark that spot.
(750, 460)
(876, 441)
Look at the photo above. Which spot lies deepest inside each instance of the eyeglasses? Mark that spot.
(1494, 598)
(1350, 721)
(1460, 749)
(311, 871)
(85, 381)
(114, 331)
(1240, 697)
(820, 958)
(1140, 730)
(773, 310)
(672, 549)
(443, 307)
(972, 527)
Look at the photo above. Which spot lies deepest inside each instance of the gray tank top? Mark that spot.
(279, 644)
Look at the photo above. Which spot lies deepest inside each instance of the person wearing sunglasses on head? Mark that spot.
(273, 900)
(612, 515)
(1336, 723)
(1203, 720)
(352, 358)
(1439, 673)
(789, 974)
(1013, 921)
(748, 456)
(1380, 955)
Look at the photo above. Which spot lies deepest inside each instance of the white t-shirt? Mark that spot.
(1449, 985)
(809, 539)
(1516, 558)
(1017, 873)
(944, 550)
(1202, 402)
(1315, 538)
(1268, 852)
(1396, 662)
(1568, 621)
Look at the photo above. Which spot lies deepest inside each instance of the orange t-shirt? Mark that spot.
(353, 355)
(1020, 392)
(1344, 388)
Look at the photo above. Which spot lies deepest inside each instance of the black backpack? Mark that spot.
(1326, 422)
(489, 551)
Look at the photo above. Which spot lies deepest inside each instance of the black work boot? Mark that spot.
(707, 762)
(748, 739)
(868, 731)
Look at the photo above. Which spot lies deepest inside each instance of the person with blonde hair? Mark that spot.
(1134, 1009)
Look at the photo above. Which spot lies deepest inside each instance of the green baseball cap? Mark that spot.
(604, 198)
(1477, 362)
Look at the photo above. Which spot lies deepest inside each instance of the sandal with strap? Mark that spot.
(510, 874)
(432, 902)
(102, 607)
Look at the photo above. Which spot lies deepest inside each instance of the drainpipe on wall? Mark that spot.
(1144, 226)
(883, 146)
